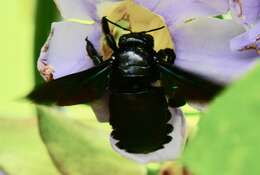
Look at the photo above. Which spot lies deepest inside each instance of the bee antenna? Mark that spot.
(118, 25)
(154, 29)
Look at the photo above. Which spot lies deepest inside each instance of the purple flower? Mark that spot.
(202, 46)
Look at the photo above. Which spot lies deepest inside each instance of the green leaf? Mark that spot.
(228, 139)
(80, 149)
(21, 149)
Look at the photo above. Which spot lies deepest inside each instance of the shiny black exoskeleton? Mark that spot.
(138, 106)
(138, 110)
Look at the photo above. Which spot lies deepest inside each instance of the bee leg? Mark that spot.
(109, 37)
(166, 55)
(92, 53)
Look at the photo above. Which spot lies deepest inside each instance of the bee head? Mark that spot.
(136, 39)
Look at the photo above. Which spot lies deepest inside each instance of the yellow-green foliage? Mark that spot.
(227, 142)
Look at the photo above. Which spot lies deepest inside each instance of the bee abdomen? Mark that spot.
(140, 120)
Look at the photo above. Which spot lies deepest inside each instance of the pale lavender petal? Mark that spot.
(45, 70)
(178, 11)
(148, 3)
(66, 53)
(249, 40)
(171, 151)
(246, 12)
(79, 9)
(203, 47)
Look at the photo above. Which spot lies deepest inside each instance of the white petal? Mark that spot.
(171, 151)
(203, 47)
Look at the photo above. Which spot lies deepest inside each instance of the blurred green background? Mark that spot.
(17, 34)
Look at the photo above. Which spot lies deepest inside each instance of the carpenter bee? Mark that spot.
(129, 78)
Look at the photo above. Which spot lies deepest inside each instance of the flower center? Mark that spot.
(137, 18)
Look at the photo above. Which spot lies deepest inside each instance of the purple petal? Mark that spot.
(245, 11)
(148, 3)
(65, 51)
(203, 47)
(178, 11)
(78, 9)
(248, 40)
(171, 151)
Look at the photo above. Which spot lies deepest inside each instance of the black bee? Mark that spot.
(139, 112)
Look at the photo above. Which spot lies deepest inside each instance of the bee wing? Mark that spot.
(187, 85)
(78, 88)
